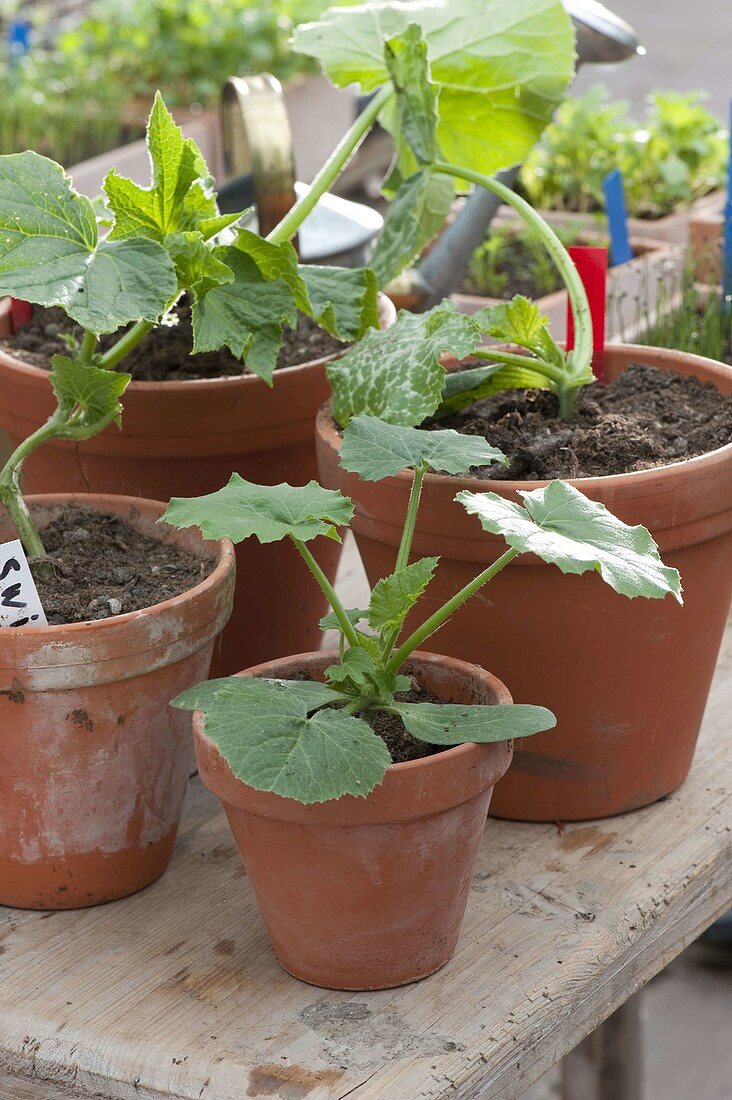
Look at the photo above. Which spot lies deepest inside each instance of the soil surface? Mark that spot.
(103, 567)
(164, 355)
(393, 732)
(518, 265)
(647, 417)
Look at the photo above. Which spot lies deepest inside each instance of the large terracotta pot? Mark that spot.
(185, 439)
(627, 679)
(93, 761)
(368, 893)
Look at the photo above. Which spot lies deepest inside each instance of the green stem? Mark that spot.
(125, 344)
(328, 591)
(405, 545)
(332, 168)
(88, 343)
(540, 366)
(429, 626)
(10, 492)
(582, 354)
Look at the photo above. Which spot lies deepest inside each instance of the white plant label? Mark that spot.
(20, 604)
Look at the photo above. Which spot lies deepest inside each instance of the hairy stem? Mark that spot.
(332, 168)
(581, 369)
(328, 591)
(10, 490)
(88, 343)
(540, 366)
(435, 621)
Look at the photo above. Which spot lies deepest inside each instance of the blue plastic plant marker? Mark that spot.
(19, 39)
(727, 243)
(617, 218)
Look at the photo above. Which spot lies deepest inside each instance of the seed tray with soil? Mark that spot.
(645, 417)
(102, 567)
(165, 354)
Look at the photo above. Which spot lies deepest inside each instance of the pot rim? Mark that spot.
(387, 315)
(224, 552)
(326, 424)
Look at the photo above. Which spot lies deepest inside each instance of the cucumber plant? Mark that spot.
(313, 741)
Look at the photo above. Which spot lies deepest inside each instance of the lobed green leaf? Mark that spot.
(374, 449)
(270, 513)
(394, 596)
(565, 528)
(416, 214)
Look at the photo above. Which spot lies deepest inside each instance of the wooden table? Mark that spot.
(175, 992)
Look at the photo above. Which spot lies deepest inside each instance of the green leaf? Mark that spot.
(354, 616)
(268, 512)
(275, 262)
(397, 375)
(415, 215)
(262, 729)
(95, 391)
(198, 267)
(361, 675)
(373, 449)
(406, 60)
(246, 315)
(521, 322)
(311, 693)
(178, 200)
(563, 527)
(50, 252)
(393, 597)
(342, 300)
(463, 388)
(453, 724)
(500, 68)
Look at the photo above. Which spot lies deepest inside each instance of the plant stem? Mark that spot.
(125, 344)
(539, 366)
(405, 545)
(88, 344)
(332, 168)
(429, 626)
(328, 591)
(581, 370)
(10, 493)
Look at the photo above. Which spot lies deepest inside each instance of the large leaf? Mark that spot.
(311, 693)
(275, 262)
(50, 252)
(93, 391)
(397, 375)
(262, 729)
(453, 724)
(416, 213)
(246, 315)
(464, 387)
(500, 68)
(179, 198)
(563, 527)
(394, 596)
(374, 449)
(342, 300)
(268, 512)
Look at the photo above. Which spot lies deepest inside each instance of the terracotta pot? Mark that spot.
(184, 439)
(93, 761)
(368, 893)
(627, 679)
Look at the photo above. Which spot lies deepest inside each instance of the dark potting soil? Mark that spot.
(518, 266)
(646, 417)
(164, 355)
(103, 567)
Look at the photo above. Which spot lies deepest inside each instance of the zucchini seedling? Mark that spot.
(313, 741)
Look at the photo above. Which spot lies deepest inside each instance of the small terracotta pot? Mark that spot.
(185, 439)
(627, 679)
(368, 893)
(93, 761)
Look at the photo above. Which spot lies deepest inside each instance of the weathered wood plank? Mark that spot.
(175, 993)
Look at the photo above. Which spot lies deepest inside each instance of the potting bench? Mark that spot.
(175, 993)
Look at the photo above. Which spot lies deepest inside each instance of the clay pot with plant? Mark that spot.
(628, 683)
(356, 782)
(93, 765)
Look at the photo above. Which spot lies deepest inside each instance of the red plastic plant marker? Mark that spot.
(591, 263)
(20, 313)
